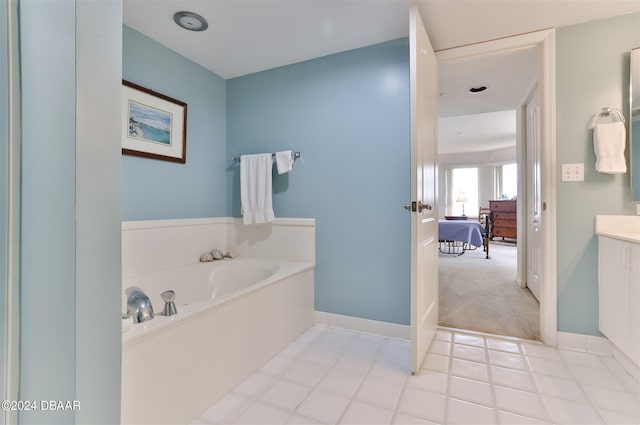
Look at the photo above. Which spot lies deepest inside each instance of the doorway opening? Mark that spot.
(485, 178)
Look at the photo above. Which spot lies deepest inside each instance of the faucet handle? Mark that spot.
(169, 306)
(168, 296)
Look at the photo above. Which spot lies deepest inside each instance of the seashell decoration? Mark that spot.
(217, 254)
(206, 257)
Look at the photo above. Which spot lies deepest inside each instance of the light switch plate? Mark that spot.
(572, 172)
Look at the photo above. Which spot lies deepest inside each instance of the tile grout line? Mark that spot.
(490, 379)
(375, 357)
(279, 376)
(493, 386)
(394, 412)
(447, 395)
(625, 385)
(353, 396)
(538, 390)
(581, 386)
(294, 411)
(406, 384)
(571, 379)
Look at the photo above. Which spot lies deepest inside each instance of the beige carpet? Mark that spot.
(482, 295)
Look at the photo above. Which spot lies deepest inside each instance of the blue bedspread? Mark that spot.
(461, 230)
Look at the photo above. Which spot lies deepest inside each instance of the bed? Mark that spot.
(458, 236)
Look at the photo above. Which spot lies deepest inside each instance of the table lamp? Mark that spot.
(462, 197)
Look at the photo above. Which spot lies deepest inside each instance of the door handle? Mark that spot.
(417, 206)
(422, 206)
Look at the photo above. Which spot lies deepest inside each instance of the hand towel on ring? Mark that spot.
(284, 161)
(609, 140)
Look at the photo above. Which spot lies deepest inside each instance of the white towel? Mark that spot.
(608, 144)
(255, 188)
(284, 161)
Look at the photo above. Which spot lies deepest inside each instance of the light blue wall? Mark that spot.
(349, 116)
(154, 189)
(98, 259)
(592, 71)
(70, 329)
(4, 178)
(48, 280)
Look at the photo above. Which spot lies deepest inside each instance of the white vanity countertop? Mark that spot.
(624, 227)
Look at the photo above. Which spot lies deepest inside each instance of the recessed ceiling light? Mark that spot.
(477, 89)
(190, 21)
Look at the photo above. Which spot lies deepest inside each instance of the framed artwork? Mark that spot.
(154, 125)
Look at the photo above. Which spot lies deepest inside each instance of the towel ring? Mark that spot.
(606, 113)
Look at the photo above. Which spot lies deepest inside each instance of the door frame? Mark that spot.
(545, 42)
(523, 191)
(11, 288)
(523, 214)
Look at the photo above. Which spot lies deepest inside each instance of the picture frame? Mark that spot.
(154, 125)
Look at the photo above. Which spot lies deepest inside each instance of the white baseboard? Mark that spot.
(357, 324)
(585, 343)
(597, 345)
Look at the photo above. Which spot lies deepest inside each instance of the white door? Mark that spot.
(534, 203)
(424, 223)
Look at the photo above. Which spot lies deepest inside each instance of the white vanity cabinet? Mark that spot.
(619, 294)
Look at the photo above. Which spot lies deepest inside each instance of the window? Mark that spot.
(509, 180)
(462, 192)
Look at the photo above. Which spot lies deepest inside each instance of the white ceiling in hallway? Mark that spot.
(473, 122)
(485, 131)
(246, 36)
(508, 78)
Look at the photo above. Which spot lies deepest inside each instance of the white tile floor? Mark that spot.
(330, 376)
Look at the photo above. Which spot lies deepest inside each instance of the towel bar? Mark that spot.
(296, 155)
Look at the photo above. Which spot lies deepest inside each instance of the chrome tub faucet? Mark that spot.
(139, 306)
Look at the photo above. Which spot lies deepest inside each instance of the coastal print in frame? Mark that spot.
(154, 125)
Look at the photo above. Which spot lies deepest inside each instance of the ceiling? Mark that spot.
(477, 132)
(246, 36)
(486, 121)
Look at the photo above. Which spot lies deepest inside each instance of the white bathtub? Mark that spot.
(199, 282)
(233, 316)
